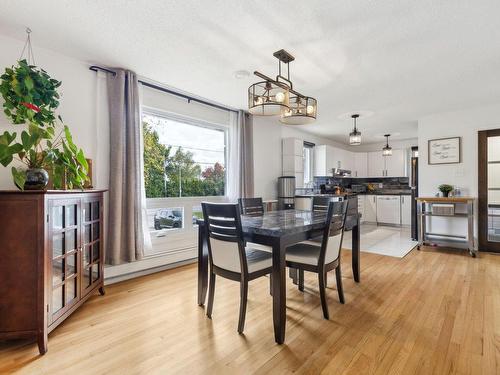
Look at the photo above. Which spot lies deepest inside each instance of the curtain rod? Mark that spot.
(96, 68)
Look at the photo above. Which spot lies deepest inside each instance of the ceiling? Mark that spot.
(401, 60)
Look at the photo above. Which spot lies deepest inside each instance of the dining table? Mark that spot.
(279, 230)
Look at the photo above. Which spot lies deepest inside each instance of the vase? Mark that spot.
(446, 194)
(36, 179)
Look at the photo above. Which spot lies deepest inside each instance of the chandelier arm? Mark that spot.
(279, 84)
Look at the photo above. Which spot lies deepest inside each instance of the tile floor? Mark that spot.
(383, 240)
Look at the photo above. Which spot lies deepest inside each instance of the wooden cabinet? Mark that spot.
(360, 164)
(387, 166)
(52, 259)
(406, 210)
(370, 210)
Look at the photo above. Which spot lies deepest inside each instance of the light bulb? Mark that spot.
(280, 97)
(258, 100)
(310, 109)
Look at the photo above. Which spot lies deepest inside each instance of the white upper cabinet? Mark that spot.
(328, 157)
(387, 166)
(360, 168)
(395, 164)
(376, 164)
(293, 159)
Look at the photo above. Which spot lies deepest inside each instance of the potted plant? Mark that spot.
(445, 189)
(31, 98)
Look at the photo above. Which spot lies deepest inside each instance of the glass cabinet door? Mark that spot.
(64, 220)
(92, 244)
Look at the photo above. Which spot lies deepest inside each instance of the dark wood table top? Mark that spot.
(285, 222)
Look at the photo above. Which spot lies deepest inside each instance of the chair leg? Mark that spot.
(243, 305)
(340, 288)
(301, 280)
(211, 292)
(322, 293)
(326, 279)
(270, 284)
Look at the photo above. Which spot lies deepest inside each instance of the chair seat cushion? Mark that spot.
(304, 253)
(258, 260)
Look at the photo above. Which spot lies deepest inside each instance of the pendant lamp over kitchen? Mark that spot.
(277, 96)
(355, 135)
(387, 150)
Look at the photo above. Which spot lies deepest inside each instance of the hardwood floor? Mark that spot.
(432, 312)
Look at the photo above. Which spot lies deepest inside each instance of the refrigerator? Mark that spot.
(414, 192)
(286, 193)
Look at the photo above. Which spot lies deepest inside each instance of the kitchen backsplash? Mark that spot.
(346, 182)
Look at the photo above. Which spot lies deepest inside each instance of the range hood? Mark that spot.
(337, 172)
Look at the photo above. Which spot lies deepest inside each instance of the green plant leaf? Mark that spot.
(19, 177)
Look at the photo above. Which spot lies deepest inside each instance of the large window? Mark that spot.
(184, 164)
(183, 159)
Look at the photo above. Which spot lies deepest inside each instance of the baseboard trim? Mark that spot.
(144, 272)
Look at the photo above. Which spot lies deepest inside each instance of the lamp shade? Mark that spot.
(301, 110)
(267, 99)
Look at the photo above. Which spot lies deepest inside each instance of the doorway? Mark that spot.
(489, 190)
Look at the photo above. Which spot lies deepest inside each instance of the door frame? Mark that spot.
(482, 142)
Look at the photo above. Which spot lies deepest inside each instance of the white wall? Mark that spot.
(464, 124)
(78, 105)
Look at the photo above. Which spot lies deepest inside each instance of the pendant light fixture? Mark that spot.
(387, 150)
(355, 135)
(277, 96)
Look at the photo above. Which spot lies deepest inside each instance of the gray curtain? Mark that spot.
(125, 234)
(246, 179)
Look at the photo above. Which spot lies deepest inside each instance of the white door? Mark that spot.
(360, 164)
(389, 209)
(371, 208)
(395, 164)
(376, 164)
(406, 209)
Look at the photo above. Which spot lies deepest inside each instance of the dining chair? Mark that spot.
(228, 255)
(253, 207)
(323, 256)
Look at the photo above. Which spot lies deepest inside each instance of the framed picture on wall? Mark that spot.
(444, 150)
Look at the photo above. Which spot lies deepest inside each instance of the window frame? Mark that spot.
(181, 239)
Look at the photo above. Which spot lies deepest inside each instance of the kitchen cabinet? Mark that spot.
(370, 208)
(406, 210)
(360, 164)
(293, 159)
(303, 203)
(328, 157)
(395, 164)
(389, 209)
(376, 164)
(324, 160)
(361, 206)
(387, 166)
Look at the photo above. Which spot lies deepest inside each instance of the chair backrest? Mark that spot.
(225, 240)
(321, 204)
(251, 206)
(333, 234)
